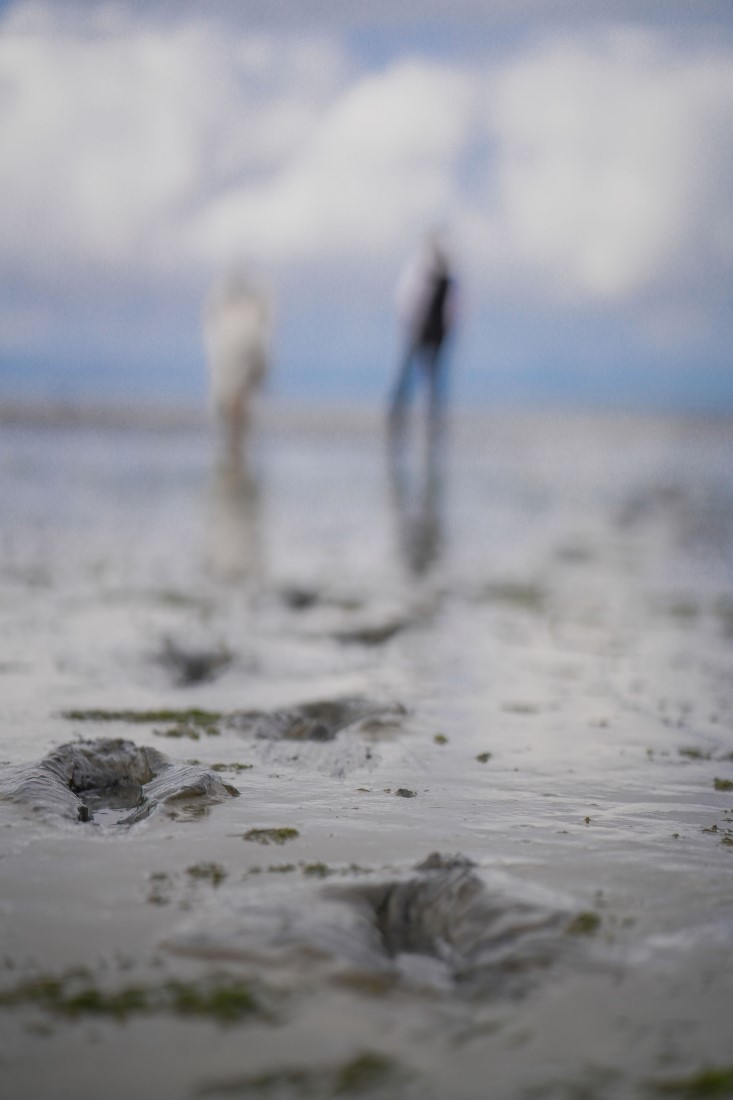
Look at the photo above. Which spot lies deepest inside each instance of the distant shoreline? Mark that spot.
(288, 415)
(66, 414)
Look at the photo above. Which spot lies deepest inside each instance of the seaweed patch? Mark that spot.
(191, 716)
(209, 872)
(317, 870)
(161, 886)
(364, 1073)
(706, 1085)
(75, 995)
(180, 731)
(586, 923)
(271, 836)
(524, 595)
(318, 721)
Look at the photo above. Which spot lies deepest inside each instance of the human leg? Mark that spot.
(435, 371)
(401, 393)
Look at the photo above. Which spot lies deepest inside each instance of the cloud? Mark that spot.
(378, 168)
(613, 169)
(589, 169)
(112, 137)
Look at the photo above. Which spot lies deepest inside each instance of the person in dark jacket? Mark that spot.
(425, 305)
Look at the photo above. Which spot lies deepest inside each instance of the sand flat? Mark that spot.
(526, 662)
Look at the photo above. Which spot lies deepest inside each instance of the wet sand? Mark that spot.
(524, 662)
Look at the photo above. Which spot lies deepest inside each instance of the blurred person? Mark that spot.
(237, 321)
(425, 307)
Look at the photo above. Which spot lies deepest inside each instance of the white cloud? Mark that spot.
(110, 137)
(379, 166)
(586, 168)
(611, 171)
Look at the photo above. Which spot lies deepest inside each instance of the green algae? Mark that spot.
(160, 886)
(311, 870)
(158, 896)
(520, 708)
(225, 1002)
(364, 1073)
(230, 767)
(708, 1084)
(271, 836)
(192, 716)
(371, 635)
(523, 595)
(483, 757)
(75, 996)
(440, 739)
(723, 784)
(51, 995)
(179, 731)
(172, 597)
(317, 870)
(211, 872)
(586, 923)
(694, 754)
(357, 869)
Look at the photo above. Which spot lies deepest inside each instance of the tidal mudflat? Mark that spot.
(330, 779)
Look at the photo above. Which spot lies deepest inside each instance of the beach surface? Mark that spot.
(385, 780)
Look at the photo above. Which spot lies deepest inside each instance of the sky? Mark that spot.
(577, 156)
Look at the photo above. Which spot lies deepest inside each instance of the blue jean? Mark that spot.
(428, 358)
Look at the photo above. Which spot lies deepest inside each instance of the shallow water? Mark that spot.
(527, 660)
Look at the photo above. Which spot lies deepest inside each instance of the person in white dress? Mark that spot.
(237, 323)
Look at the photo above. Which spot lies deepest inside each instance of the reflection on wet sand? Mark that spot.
(234, 549)
(417, 498)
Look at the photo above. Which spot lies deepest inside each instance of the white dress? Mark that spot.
(237, 337)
